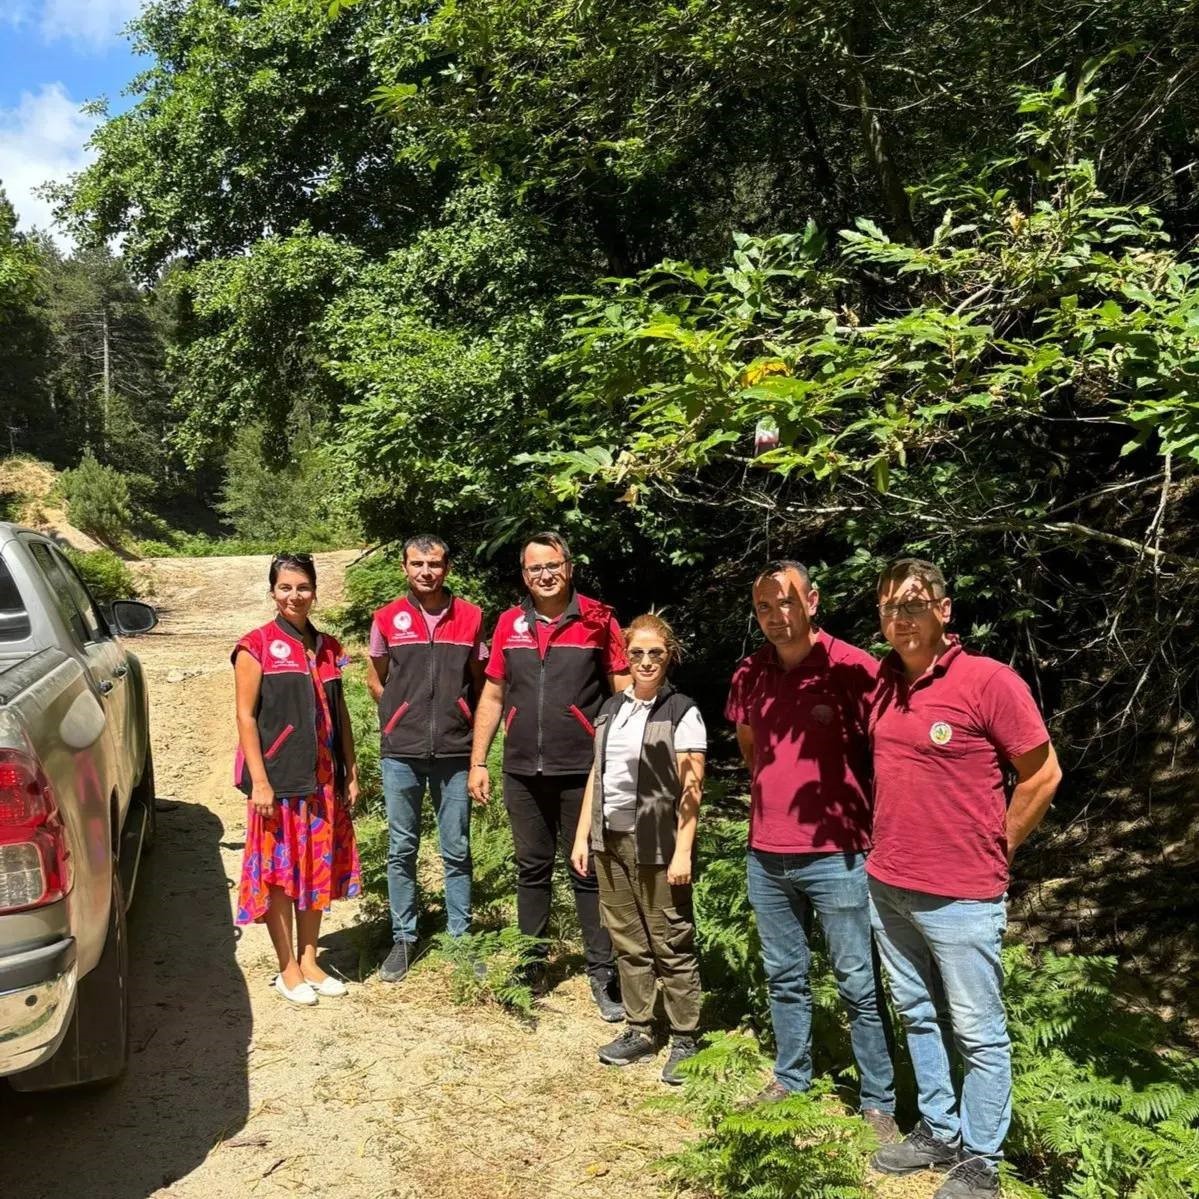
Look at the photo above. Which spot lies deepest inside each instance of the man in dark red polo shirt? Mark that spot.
(947, 727)
(426, 670)
(801, 706)
(554, 659)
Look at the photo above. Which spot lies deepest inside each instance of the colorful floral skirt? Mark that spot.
(307, 847)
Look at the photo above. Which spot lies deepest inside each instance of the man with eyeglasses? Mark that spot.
(554, 659)
(949, 729)
(801, 706)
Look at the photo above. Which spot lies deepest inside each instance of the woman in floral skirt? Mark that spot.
(296, 763)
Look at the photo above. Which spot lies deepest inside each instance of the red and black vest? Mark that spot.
(551, 701)
(286, 710)
(427, 709)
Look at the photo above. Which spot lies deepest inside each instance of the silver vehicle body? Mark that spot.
(74, 698)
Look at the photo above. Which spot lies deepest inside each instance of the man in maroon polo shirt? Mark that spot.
(801, 706)
(554, 659)
(948, 727)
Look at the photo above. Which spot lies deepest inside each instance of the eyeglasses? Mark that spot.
(911, 609)
(544, 568)
(655, 655)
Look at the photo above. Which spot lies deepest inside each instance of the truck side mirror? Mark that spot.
(131, 617)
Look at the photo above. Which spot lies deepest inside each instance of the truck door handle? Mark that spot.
(120, 672)
(106, 686)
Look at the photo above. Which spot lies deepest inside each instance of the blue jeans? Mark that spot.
(942, 957)
(784, 890)
(404, 783)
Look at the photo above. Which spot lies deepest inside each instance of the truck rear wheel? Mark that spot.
(96, 1046)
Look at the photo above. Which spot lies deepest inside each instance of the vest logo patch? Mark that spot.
(280, 650)
(520, 626)
(940, 733)
(402, 621)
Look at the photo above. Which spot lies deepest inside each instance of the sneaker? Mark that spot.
(398, 961)
(605, 990)
(972, 1178)
(682, 1047)
(633, 1045)
(919, 1150)
(883, 1125)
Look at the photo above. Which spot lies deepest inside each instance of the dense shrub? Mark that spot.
(804, 1146)
(106, 576)
(98, 500)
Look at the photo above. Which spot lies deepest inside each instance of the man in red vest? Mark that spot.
(554, 659)
(426, 670)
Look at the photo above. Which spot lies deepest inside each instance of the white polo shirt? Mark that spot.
(622, 756)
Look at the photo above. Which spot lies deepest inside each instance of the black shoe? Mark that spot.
(398, 961)
(972, 1178)
(919, 1150)
(682, 1047)
(535, 975)
(633, 1045)
(605, 990)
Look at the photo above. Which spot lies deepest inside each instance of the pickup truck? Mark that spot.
(76, 814)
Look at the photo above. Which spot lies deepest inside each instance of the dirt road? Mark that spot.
(230, 1091)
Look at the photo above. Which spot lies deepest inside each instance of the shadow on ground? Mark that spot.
(186, 1088)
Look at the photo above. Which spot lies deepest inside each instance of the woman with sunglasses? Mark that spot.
(295, 761)
(638, 818)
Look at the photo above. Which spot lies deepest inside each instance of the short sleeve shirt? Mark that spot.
(941, 748)
(614, 659)
(622, 757)
(810, 791)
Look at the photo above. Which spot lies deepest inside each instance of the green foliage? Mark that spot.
(364, 717)
(106, 576)
(1101, 1107)
(803, 1147)
(200, 545)
(98, 500)
(488, 967)
(285, 494)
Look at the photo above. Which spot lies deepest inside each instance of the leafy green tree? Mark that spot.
(98, 500)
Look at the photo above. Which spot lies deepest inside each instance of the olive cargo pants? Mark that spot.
(653, 933)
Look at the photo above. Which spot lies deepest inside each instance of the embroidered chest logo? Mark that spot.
(822, 715)
(520, 628)
(280, 650)
(940, 733)
(402, 621)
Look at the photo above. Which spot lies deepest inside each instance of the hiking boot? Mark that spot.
(919, 1150)
(972, 1178)
(883, 1124)
(682, 1048)
(398, 961)
(633, 1045)
(605, 990)
(772, 1092)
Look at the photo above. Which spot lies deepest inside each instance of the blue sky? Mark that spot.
(54, 55)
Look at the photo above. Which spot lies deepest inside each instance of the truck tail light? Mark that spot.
(34, 859)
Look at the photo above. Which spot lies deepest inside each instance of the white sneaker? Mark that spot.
(329, 987)
(302, 994)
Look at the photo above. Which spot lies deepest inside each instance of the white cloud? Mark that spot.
(43, 139)
(93, 23)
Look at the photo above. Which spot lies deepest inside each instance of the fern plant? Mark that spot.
(489, 967)
(1101, 1110)
(802, 1147)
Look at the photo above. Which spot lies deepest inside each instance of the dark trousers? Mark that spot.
(544, 810)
